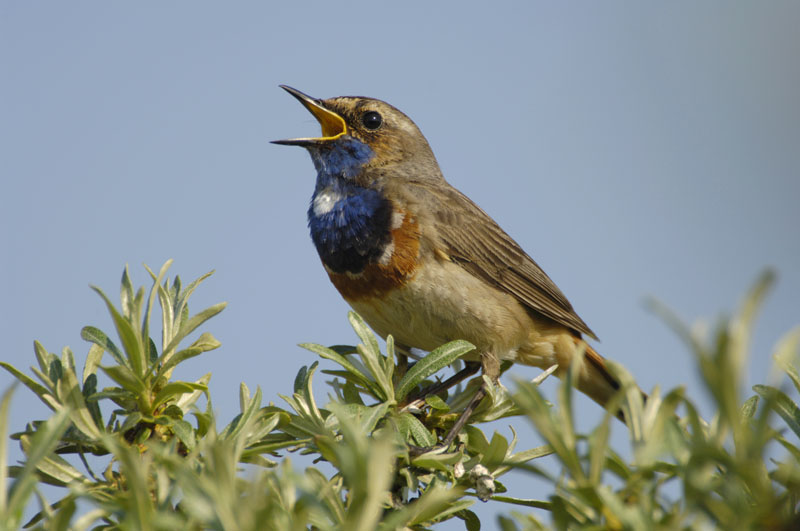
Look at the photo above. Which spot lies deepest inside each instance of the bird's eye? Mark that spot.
(371, 120)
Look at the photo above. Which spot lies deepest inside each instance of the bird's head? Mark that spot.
(364, 140)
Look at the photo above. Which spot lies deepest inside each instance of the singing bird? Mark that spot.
(419, 260)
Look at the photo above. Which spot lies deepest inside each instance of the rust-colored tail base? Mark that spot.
(595, 380)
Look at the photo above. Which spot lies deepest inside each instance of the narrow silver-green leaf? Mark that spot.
(126, 297)
(5, 404)
(125, 378)
(204, 343)
(93, 359)
(151, 297)
(330, 354)
(370, 353)
(373, 365)
(786, 355)
(98, 337)
(496, 452)
(29, 382)
(782, 404)
(538, 504)
(43, 357)
(188, 400)
(60, 470)
(193, 322)
(409, 425)
(437, 403)
(749, 407)
(41, 444)
(70, 394)
(174, 390)
(363, 332)
(430, 364)
(131, 342)
(167, 318)
(183, 296)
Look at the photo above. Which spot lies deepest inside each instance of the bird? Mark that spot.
(419, 260)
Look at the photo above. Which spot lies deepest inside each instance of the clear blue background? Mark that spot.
(632, 150)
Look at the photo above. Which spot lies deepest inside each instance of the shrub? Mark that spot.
(152, 458)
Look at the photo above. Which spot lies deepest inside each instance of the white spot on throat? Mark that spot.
(386, 256)
(325, 201)
(397, 219)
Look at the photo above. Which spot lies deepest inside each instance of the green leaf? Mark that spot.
(40, 446)
(433, 460)
(5, 404)
(96, 336)
(364, 333)
(442, 514)
(204, 343)
(437, 403)
(413, 429)
(42, 356)
(184, 431)
(430, 364)
(181, 297)
(69, 393)
(131, 341)
(538, 504)
(126, 379)
(495, 454)
(558, 435)
(477, 443)
(786, 354)
(388, 360)
(151, 297)
(749, 408)
(528, 455)
(186, 401)
(245, 420)
(175, 390)
(358, 376)
(782, 404)
(351, 394)
(90, 389)
(193, 322)
(598, 446)
(59, 471)
(126, 297)
(371, 356)
(366, 417)
(432, 504)
(471, 520)
(93, 359)
(68, 359)
(30, 383)
(168, 326)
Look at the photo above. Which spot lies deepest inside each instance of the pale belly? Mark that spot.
(444, 302)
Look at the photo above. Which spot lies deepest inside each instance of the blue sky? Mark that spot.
(633, 150)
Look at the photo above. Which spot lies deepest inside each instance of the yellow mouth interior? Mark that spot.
(333, 125)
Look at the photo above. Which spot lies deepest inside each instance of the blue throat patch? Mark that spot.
(343, 157)
(350, 224)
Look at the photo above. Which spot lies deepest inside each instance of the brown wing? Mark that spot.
(475, 241)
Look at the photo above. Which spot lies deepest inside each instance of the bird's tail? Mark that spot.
(596, 381)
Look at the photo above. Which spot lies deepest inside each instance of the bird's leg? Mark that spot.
(491, 368)
(469, 369)
(465, 415)
(401, 352)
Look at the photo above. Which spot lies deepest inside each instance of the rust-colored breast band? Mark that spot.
(379, 278)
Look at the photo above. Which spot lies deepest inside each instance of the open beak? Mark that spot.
(333, 125)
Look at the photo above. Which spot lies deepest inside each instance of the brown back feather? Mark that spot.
(475, 241)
